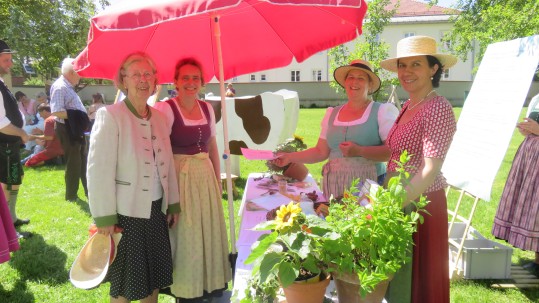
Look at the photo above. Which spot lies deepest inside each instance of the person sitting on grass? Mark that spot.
(50, 147)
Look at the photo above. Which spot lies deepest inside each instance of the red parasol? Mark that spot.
(229, 38)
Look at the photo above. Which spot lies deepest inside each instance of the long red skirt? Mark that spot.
(430, 265)
(8, 236)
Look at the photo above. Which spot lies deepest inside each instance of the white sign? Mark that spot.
(490, 114)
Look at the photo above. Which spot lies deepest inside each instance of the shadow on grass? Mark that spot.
(48, 167)
(40, 262)
(83, 204)
(19, 294)
(35, 261)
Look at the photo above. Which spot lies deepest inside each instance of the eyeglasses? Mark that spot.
(137, 77)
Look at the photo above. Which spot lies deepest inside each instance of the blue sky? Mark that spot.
(446, 3)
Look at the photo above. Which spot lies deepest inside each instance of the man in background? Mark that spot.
(64, 99)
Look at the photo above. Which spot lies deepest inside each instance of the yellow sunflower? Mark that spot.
(286, 215)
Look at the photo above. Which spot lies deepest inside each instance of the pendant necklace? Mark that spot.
(188, 111)
(414, 106)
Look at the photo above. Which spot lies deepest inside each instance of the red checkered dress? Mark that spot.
(427, 135)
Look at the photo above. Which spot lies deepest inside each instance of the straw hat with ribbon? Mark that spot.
(418, 46)
(340, 74)
(92, 263)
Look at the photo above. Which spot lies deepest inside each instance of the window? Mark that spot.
(263, 77)
(294, 76)
(409, 34)
(252, 77)
(445, 45)
(445, 74)
(317, 75)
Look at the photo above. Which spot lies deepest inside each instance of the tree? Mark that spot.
(489, 21)
(369, 46)
(44, 32)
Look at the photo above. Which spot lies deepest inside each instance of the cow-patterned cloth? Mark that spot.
(427, 135)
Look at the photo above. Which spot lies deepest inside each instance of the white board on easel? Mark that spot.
(490, 114)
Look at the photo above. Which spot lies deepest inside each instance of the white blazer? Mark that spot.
(120, 171)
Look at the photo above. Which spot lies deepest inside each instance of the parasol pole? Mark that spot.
(226, 152)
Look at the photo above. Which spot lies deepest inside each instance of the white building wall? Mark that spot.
(433, 26)
(317, 62)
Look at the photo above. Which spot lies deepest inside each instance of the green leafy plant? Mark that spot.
(288, 146)
(34, 81)
(373, 241)
(290, 252)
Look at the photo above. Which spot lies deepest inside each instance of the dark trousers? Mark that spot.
(75, 156)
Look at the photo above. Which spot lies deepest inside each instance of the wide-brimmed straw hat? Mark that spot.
(92, 263)
(340, 73)
(418, 46)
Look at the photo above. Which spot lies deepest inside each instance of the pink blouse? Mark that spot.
(427, 135)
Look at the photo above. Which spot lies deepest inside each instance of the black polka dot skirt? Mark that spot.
(143, 262)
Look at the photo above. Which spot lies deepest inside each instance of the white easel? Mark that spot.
(466, 220)
(393, 98)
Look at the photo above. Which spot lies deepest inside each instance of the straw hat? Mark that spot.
(92, 263)
(340, 73)
(417, 46)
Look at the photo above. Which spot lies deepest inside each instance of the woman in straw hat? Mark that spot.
(425, 128)
(353, 134)
(132, 184)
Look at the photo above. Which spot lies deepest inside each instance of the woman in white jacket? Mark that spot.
(132, 185)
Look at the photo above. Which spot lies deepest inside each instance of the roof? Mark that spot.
(410, 8)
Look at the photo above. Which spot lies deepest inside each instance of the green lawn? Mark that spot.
(39, 271)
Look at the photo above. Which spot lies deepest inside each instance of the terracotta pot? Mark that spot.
(296, 171)
(306, 292)
(348, 289)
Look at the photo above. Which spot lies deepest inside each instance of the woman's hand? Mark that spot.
(283, 159)
(528, 126)
(349, 149)
(106, 230)
(172, 220)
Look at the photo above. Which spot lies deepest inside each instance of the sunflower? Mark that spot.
(298, 138)
(286, 215)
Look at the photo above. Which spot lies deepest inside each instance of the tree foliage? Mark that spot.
(489, 21)
(44, 32)
(369, 46)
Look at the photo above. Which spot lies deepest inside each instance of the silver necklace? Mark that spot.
(414, 106)
(188, 111)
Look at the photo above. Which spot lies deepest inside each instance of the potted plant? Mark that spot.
(288, 257)
(372, 241)
(296, 171)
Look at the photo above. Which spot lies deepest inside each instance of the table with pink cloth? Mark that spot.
(249, 219)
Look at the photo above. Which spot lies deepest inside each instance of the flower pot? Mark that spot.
(348, 289)
(306, 292)
(296, 171)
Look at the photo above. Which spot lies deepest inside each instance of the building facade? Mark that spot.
(412, 18)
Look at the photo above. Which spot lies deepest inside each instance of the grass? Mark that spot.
(39, 271)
